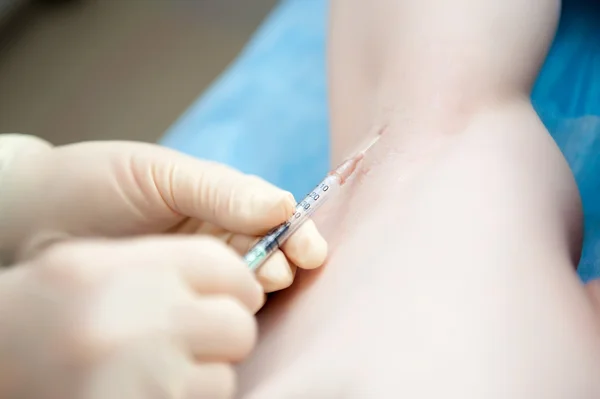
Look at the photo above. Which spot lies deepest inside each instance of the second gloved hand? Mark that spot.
(149, 318)
(120, 189)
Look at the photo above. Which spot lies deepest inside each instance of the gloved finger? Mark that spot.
(207, 265)
(277, 273)
(306, 248)
(241, 203)
(216, 328)
(222, 272)
(212, 192)
(211, 380)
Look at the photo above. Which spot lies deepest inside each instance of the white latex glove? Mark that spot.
(147, 318)
(120, 189)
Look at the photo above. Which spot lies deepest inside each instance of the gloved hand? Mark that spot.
(120, 189)
(146, 318)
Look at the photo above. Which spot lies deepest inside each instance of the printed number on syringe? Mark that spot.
(314, 196)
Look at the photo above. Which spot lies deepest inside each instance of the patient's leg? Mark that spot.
(451, 272)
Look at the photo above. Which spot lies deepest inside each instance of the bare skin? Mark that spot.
(453, 252)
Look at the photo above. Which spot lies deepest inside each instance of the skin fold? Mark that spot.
(453, 250)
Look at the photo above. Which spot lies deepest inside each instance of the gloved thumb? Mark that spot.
(125, 188)
(213, 192)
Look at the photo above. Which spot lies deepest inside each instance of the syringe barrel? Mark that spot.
(313, 201)
(261, 251)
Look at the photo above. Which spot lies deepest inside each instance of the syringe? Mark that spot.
(335, 179)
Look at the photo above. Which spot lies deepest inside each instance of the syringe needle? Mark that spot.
(261, 251)
(371, 144)
(347, 168)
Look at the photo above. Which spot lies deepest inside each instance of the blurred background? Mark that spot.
(73, 70)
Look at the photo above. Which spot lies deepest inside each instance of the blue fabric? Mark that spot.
(567, 99)
(267, 114)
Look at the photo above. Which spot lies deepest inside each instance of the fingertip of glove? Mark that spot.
(270, 207)
(276, 274)
(307, 248)
(285, 204)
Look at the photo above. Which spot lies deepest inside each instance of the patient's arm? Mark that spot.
(451, 272)
(430, 59)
